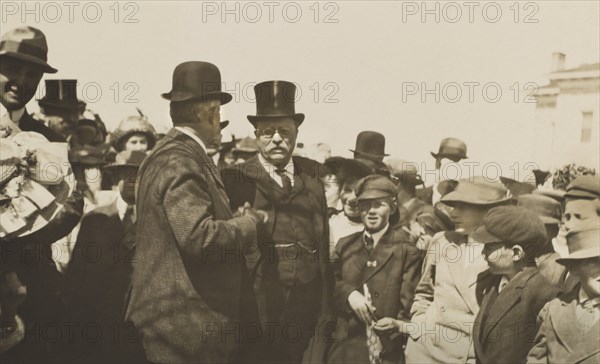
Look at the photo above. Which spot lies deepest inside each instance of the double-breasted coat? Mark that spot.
(188, 283)
(391, 282)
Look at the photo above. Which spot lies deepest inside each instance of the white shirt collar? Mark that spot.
(121, 206)
(193, 136)
(289, 169)
(377, 236)
(503, 282)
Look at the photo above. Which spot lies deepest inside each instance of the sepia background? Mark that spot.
(414, 71)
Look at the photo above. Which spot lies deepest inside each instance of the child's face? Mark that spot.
(137, 142)
(375, 213)
(576, 211)
(499, 257)
(588, 273)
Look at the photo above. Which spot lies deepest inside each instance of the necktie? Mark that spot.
(369, 244)
(285, 179)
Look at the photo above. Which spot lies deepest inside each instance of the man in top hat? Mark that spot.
(550, 213)
(288, 270)
(61, 107)
(570, 324)
(376, 277)
(189, 282)
(452, 149)
(447, 297)
(23, 61)
(506, 323)
(95, 289)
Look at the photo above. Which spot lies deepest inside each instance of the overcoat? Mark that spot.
(187, 286)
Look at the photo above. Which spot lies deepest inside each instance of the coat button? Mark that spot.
(376, 295)
(443, 309)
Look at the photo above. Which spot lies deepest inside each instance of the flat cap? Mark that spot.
(511, 224)
(375, 186)
(546, 208)
(584, 187)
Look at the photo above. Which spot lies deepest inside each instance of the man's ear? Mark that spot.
(518, 253)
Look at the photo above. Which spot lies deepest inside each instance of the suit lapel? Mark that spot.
(459, 275)
(264, 182)
(507, 299)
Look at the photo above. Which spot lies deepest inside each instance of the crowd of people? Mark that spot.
(130, 246)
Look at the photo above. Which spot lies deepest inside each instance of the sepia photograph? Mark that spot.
(300, 182)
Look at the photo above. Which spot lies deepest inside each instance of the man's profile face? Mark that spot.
(18, 82)
(276, 139)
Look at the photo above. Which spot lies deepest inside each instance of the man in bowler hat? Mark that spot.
(188, 284)
(288, 270)
(23, 61)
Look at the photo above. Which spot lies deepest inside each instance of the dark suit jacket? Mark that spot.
(510, 325)
(250, 182)
(96, 284)
(558, 340)
(28, 123)
(188, 271)
(391, 283)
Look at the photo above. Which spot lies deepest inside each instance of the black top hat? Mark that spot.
(60, 94)
(196, 81)
(370, 145)
(275, 99)
(26, 44)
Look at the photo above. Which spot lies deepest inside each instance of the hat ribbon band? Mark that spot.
(24, 48)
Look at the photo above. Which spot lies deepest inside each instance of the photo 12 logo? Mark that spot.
(270, 12)
(469, 11)
(70, 11)
(468, 91)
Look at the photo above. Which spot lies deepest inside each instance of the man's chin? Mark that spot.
(12, 105)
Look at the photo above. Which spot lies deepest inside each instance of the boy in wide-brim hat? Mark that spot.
(569, 325)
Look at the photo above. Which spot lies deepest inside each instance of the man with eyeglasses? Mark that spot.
(288, 266)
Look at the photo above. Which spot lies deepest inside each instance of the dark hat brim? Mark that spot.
(453, 158)
(369, 154)
(483, 236)
(59, 105)
(224, 124)
(223, 96)
(30, 59)
(345, 167)
(253, 119)
(113, 167)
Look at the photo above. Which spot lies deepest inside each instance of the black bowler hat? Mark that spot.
(370, 145)
(26, 44)
(196, 81)
(275, 99)
(60, 94)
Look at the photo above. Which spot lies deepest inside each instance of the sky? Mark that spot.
(415, 71)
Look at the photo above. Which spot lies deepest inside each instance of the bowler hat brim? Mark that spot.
(218, 95)
(30, 59)
(298, 118)
(345, 168)
(453, 158)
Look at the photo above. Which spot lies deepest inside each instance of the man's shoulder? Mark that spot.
(309, 167)
(28, 123)
(347, 240)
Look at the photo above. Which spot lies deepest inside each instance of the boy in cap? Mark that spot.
(582, 201)
(549, 212)
(506, 323)
(375, 281)
(569, 325)
(446, 300)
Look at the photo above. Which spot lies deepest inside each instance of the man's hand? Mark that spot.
(363, 309)
(259, 216)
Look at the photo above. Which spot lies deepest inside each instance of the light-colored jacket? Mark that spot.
(447, 301)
